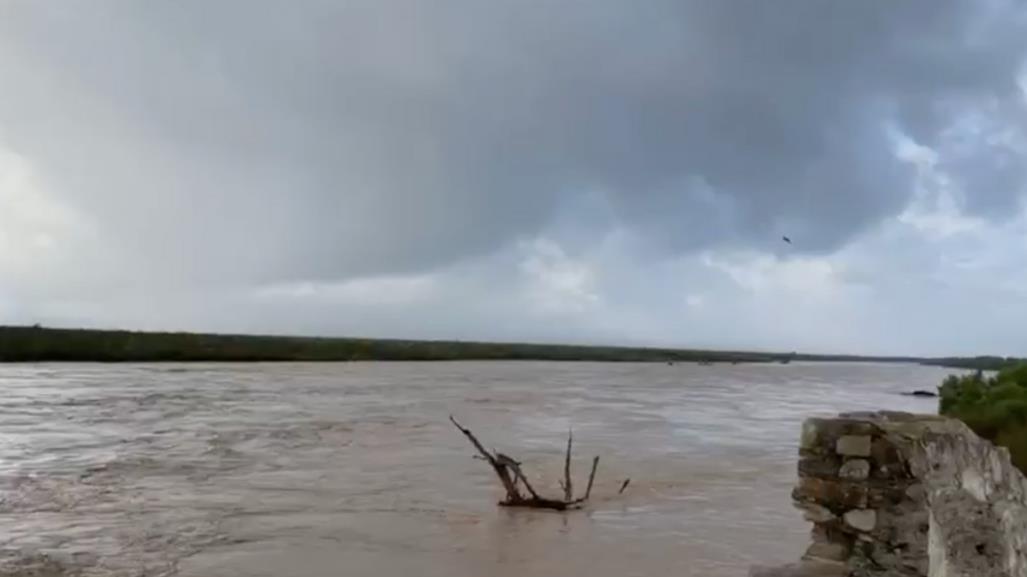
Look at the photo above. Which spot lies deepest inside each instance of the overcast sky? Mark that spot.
(595, 171)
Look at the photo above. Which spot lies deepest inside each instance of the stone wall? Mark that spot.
(907, 495)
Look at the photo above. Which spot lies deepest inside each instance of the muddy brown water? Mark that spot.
(351, 469)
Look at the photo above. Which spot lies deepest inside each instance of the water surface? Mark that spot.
(310, 470)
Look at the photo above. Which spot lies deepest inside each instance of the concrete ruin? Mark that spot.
(902, 495)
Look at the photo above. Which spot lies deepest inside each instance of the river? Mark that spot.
(352, 469)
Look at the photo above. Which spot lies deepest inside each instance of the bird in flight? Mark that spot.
(786, 239)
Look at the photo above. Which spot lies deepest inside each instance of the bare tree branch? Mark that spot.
(512, 494)
(568, 486)
(474, 441)
(518, 474)
(510, 474)
(592, 477)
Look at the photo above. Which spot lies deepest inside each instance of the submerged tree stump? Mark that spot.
(509, 472)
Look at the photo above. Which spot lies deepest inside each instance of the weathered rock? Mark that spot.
(861, 519)
(837, 552)
(886, 495)
(819, 435)
(896, 494)
(815, 513)
(853, 445)
(886, 457)
(915, 492)
(819, 466)
(835, 494)
(855, 470)
(921, 393)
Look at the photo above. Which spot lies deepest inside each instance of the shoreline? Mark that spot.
(45, 344)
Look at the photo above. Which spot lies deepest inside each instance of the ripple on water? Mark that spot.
(301, 469)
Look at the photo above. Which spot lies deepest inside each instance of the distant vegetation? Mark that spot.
(995, 407)
(976, 363)
(21, 344)
(48, 344)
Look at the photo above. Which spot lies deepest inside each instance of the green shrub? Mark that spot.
(1015, 439)
(994, 407)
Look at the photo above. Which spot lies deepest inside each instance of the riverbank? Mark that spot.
(36, 344)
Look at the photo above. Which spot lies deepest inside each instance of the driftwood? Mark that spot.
(511, 476)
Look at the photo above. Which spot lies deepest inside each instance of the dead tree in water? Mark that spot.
(511, 476)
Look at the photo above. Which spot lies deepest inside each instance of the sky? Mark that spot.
(585, 171)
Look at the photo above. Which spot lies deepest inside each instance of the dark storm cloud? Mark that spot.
(257, 140)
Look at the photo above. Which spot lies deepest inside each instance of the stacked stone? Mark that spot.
(869, 512)
(907, 495)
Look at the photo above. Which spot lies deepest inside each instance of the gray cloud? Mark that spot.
(244, 143)
(266, 141)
